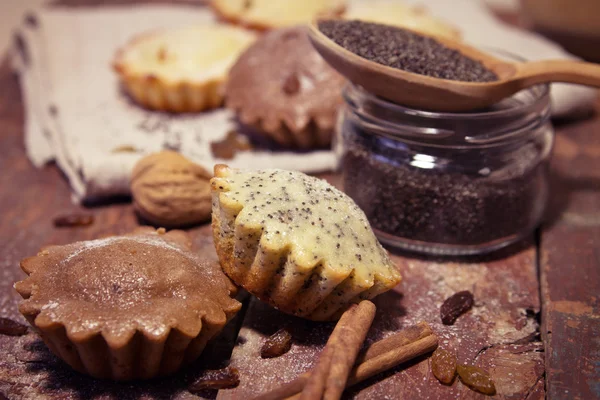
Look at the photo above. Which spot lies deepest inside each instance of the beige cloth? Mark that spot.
(77, 116)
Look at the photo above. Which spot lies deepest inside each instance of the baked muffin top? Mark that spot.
(268, 14)
(147, 281)
(282, 80)
(194, 54)
(319, 224)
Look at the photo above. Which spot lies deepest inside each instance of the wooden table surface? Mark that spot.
(535, 325)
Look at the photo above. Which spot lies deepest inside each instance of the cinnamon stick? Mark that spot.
(398, 339)
(392, 358)
(328, 378)
(402, 345)
(352, 337)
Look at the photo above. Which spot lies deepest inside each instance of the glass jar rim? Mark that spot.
(538, 94)
(509, 121)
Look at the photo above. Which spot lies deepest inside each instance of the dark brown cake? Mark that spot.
(282, 87)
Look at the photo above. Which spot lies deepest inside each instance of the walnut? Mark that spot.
(169, 190)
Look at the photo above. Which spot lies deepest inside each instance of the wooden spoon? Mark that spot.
(425, 92)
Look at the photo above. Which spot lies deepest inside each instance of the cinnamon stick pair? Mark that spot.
(396, 349)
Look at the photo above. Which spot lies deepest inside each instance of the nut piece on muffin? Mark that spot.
(296, 242)
(181, 70)
(282, 87)
(126, 307)
(269, 14)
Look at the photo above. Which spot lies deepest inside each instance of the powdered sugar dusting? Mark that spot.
(504, 290)
(98, 243)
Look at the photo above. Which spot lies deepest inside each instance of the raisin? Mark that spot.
(443, 365)
(277, 344)
(225, 378)
(73, 220)
(455, 306)
(476, 378)
(11, 328)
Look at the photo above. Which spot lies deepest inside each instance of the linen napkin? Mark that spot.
(77, 115)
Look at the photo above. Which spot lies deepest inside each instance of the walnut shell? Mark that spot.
(171, 191)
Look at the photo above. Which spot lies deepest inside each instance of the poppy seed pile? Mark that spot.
(402, 49)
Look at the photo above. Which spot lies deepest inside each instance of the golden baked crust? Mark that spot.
(271, 14)
(404, 16)
(284, 89)
(296, 242)
(126, 307)
(180, 70)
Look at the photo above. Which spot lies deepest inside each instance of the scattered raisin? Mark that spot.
(476, 378)
(73, 220)
(225, 378)
(277, 344)
(455, 306)
(443, 365)
(12, 328)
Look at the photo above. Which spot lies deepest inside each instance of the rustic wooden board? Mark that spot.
(570, 266)
(31, 371)
(499, 334)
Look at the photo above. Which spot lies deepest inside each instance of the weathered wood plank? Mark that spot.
(570, 266)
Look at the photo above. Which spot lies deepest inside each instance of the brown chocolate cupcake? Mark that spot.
(285, 90)
(126, 307)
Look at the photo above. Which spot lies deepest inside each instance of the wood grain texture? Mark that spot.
(500, 333)
(570, 266)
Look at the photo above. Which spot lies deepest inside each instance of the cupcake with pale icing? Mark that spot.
(296, 242)
(181, 70)
(272, 14)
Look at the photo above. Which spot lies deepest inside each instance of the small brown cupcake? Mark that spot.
(126, 307)
(285, 90)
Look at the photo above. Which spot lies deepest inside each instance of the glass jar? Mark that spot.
(447, 183)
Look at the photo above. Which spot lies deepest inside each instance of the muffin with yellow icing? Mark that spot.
(296, 242)
(181, 70)
(270, 14)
